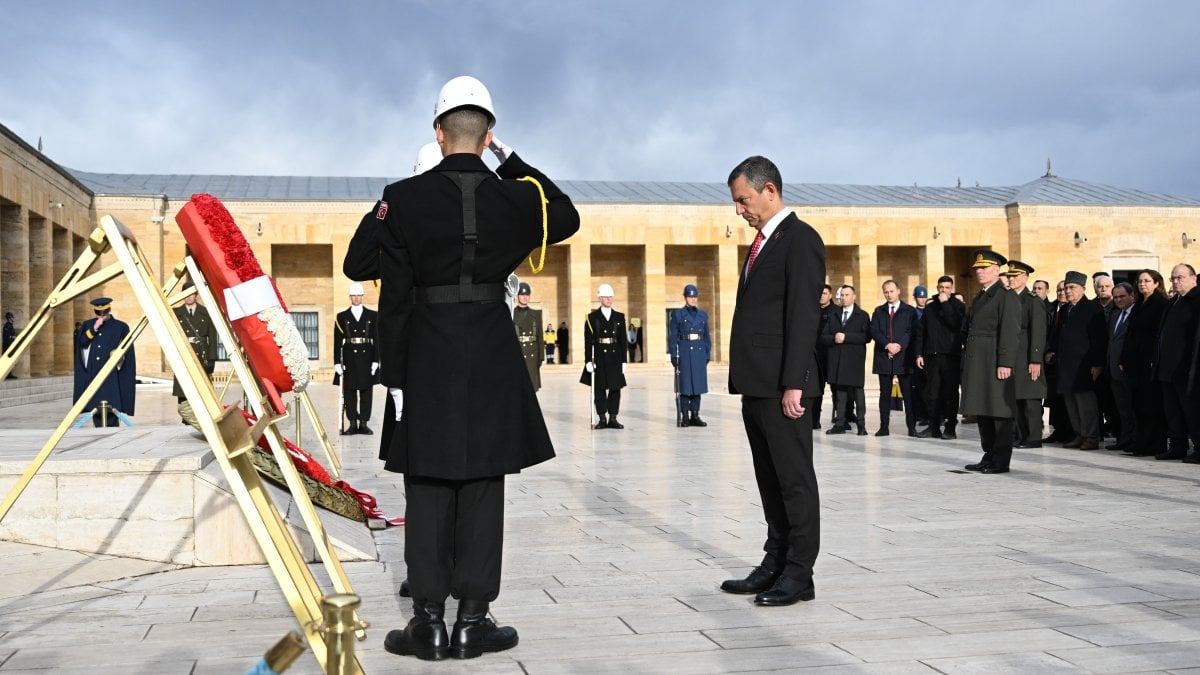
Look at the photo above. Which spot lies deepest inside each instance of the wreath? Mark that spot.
(249, 298)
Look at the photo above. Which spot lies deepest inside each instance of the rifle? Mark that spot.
(678, 393)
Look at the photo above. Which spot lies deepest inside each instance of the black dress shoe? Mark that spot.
(994, 469)
(836, 429)
(696, 421)
(424, 637)
(1171, 454)
(1192, 459)
(757, 581)
(614, 424)
(474, 633)
(862, 431)
(601, 424)
(786, 591)
(405, 591)
(1117, 446)
(1028, 444)
(979, 466)
(949, 435)
(882, 432)
(931, 432)
(350, 431)
(912, 433)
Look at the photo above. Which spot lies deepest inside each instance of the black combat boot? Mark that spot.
(364, 429)
(474, 633)
(602, 424)
(614, 424)
(682, 420)
(425, 635)
(696, 421)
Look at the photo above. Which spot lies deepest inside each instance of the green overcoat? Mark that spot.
(1031, 346)
(992, 342)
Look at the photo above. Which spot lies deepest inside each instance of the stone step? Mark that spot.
(35, 390)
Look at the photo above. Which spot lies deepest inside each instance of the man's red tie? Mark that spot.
(758, 240)
(891, 319)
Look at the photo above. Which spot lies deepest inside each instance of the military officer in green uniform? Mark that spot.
(1031, 347)
(528, 323)
(201, 335)
(989, 358)
(605, 347)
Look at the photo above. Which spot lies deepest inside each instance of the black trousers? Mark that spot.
(996, 439)
(1183, 417)
(885, 400)
(453, 537)
(1150, 430)
(1029, 420)
(608, 402)
(358, 403)
(942, 376)
(782, 451)
(842, 396)
(689, 403)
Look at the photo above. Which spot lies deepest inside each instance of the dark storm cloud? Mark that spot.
(860, 92)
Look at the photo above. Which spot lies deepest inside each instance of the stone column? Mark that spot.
(581, 298)
(656, 306)
(41, 283)
(728, 269)
(14, 270)
(63, 323)
(935, 266)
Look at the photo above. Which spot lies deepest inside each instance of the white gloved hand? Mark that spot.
(623, 368)
(337, 368)
(374, 367)
(500, 150)
(397, 396)
(591, 367)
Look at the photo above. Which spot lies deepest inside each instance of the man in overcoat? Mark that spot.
(528, 323)
(1174, 360)
(989, 356)
(443, 244)
(690, 346)
(1080, 347)
(846, 336)
(201, 335)
(1031, 349)
(356, 358)
(605, 351)
(938, 345)
(94, 342)
(892, 326)
(772, 366)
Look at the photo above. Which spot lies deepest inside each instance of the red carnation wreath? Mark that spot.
(249, 298)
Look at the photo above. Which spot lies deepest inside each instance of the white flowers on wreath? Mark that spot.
(291, 344)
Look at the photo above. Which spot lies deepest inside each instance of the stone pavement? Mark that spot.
(1074, 562)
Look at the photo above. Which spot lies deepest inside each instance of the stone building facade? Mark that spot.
(648, 240)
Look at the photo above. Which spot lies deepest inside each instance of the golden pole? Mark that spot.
(335, 464)
(338, 628)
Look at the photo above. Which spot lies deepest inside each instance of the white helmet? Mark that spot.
(429, 156)
(356, 289)
(605, 291)
(464, 91)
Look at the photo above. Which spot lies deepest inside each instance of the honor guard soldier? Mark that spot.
(606, 350)
(989, 357)
(201, 335)
(690, 346)
(1031, 347)
(461, 411)
(528, 323)
(10, 330)
(356, 359)
(96, 339)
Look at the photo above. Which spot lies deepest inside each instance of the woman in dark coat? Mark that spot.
(1140, 342)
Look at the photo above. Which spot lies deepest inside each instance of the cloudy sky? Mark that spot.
(891, 93)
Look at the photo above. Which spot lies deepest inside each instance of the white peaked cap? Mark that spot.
(356, 289)
(605, 291)
(429, 156)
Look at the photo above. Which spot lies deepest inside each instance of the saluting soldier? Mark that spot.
(356, 359)
(605, 347)
(989, 356)
(528, 323)
(201, 335)
(95, 341)
(690, 346)
(1031, 347)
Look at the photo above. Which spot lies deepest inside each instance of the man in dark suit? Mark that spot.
(988, 361)
(772, 365)
(1079, 348)
(1031, 347)
(467, 411)
(1118, 328)
(1174, 360)
(356, 359)
(1059, 419)
(892, 326)
(604, 344)
(828, 309)
(846, 336)
(938, 345)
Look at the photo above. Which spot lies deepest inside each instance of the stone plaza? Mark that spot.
(1074, 562)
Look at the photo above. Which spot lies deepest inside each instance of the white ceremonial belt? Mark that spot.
(692, 336)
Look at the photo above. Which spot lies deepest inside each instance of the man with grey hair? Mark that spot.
(1079, 348)
(1174, 360)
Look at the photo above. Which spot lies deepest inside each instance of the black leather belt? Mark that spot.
(433, 295)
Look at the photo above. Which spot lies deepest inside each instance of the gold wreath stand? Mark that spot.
(224, 429)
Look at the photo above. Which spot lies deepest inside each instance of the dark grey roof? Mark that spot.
(1044, 190)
